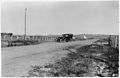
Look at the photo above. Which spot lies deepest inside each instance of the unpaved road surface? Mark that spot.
(16, 61)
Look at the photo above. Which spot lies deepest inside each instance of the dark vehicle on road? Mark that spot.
(65, 38)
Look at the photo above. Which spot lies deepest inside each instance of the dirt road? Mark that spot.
(16, 61)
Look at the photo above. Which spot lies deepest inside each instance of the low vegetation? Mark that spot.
(87, 61)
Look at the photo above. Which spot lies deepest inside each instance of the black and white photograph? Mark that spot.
(60, 38)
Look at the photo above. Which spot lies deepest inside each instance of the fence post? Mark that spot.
(116, 41)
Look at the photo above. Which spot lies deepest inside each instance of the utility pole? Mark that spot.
(25, 24)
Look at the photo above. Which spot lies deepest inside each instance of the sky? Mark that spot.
(47, 18)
